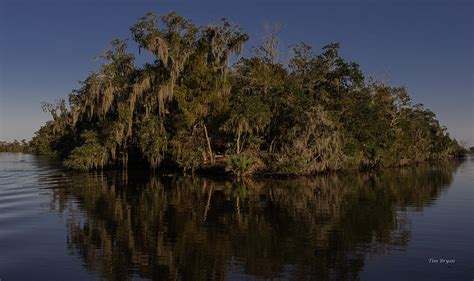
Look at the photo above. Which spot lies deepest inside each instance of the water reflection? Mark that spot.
(126, 226)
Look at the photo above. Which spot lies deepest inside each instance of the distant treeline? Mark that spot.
(190, 108)
(15, 146)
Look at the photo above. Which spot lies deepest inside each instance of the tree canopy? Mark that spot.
(198, 104)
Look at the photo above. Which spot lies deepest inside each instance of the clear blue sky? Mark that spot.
(427, 46)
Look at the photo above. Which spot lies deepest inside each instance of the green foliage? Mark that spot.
(153, 140)
(189, 106)
(187, 152)
(240, 164)
(311, 145)
(248, 118)
(44, 141)
(15, 146)
(90, 155)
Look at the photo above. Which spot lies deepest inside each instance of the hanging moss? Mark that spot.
(90, 155)
(153, 140)
(192, 108)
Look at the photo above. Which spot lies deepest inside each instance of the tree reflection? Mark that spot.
(199, 229)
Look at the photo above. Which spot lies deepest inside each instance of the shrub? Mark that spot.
(240, 164)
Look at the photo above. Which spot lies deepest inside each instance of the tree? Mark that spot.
(198, 101)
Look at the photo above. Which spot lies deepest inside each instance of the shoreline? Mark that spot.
(218, 172)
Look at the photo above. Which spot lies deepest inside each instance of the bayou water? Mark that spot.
(415, 223)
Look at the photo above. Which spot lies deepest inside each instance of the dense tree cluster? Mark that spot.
(190, 108)
(14, 146)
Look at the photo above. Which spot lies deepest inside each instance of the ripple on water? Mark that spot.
(20, 198)
(394, 221)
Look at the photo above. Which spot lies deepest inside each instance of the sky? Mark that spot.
(47, 46)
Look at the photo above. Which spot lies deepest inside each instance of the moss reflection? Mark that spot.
(199, 229)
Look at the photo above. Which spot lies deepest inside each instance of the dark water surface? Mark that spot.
(59, 225)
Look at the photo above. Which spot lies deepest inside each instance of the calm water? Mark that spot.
(58, 225)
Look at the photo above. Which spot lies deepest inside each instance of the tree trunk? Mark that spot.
(209, 145)
(238, 142)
